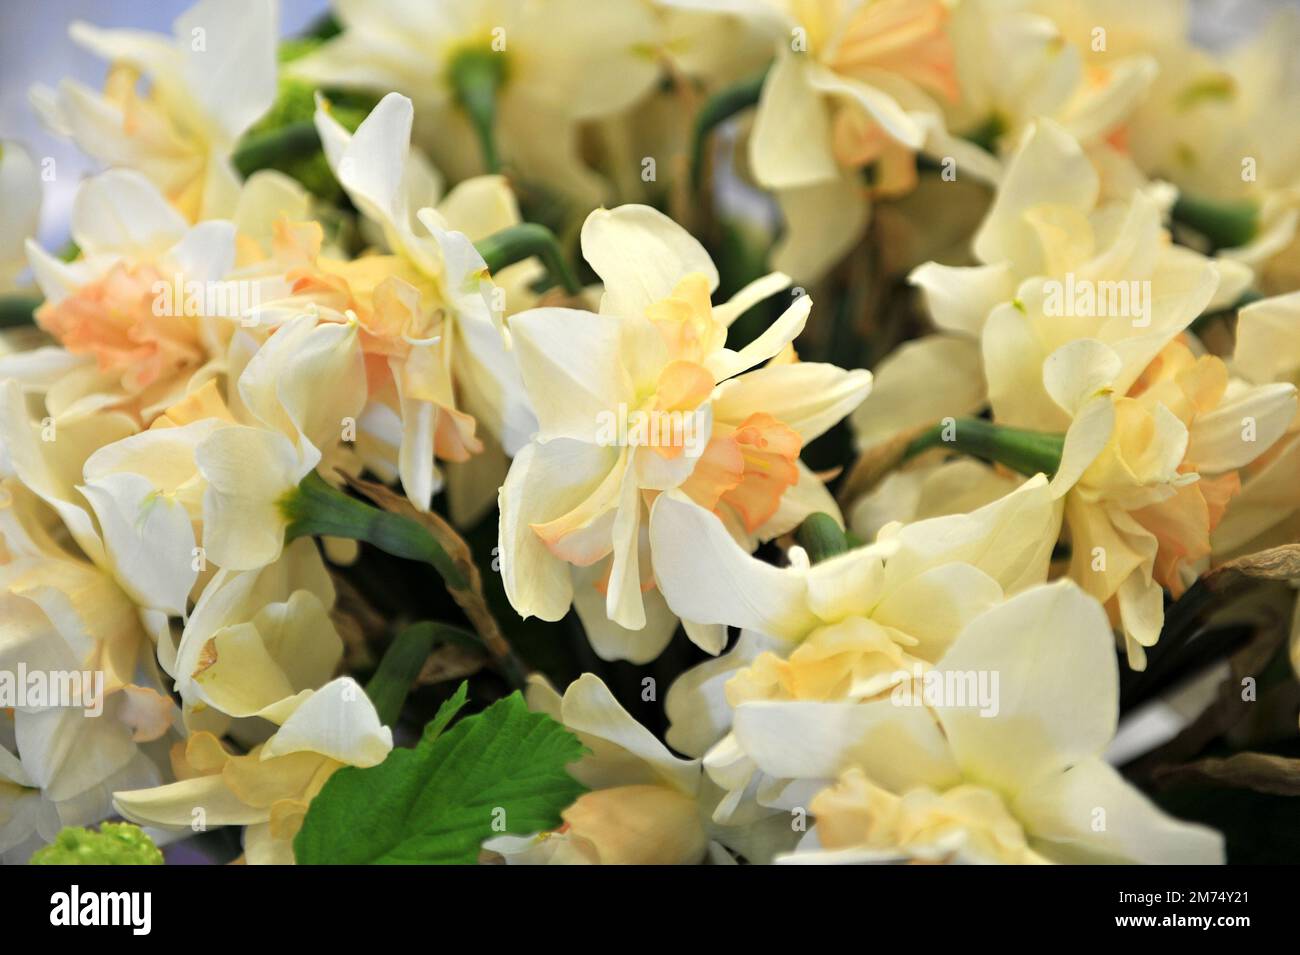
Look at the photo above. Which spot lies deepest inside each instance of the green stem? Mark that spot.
(1020, 449)
(1227, 224)
(523, 241)
(18, 310)
(276, 147)
(402, 662)
(821, 537)
(718, 108)
(316, 509)
(476, 77)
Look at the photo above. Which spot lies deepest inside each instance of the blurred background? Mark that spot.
(35, 48)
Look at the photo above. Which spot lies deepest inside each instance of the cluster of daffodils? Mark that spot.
(835, 418)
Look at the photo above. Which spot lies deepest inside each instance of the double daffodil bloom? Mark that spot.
(1019, 61)
(1267, 351)
(950, 782)
(146, 312)
(268, 789)
(644, 804)
(644, 397)
(1056, 224)
(847, 628)
(547, 66)
(1149, 465)
(851, 93)
(436, 359)
(65, 613)
(208, 84)
(226, 463)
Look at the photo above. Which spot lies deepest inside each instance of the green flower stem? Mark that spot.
(477, 75)
(17, 310)
(523, 241)
(1028, 452)
(821, 537)
(276, 147)
(402, 662)
(1226, 224)
(718, 108)
(315, 508)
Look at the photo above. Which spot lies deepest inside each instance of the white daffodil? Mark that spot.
(62, 615)
(849, 102)
(847, 628)
(646, 806)
(269, 789)
(1021, 61)
(948, 779)
(1216, 126)
(437, 362)
(1149, 466)
(1267, 351)
(257, 642)
(549, 66)
(643, 397)
(146, 312)
(1060, 254)
(220, 468)
(20, 211)
(208, 83)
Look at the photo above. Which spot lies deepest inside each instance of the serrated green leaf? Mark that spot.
(501, 771)
(116, 843)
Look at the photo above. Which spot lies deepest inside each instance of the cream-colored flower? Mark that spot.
(1266, 512)
(208, 84)
(1055, 227)
(852, 91)
(1149, 467)
(1216, 125)
(952, 782)
(1020, 61)
(269, 789)
(558, 63)
(847, 628)
(643, 397)
(20, 211)
(643, 807)
(437, 362)
(145, 313)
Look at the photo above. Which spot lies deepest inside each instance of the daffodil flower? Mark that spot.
(642, 397)
(548, 66)
(437, 361)
(951, 782)
(20, 211)
(853, 87)
(1054, 227)
(137, 318)
(268, 789)
(208, 83)
(1149, 467)
(847, 628)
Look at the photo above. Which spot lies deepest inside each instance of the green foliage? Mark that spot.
(501, 771)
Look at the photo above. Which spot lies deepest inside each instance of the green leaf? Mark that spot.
(446, 713)
(116, 843)
(502, 771)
